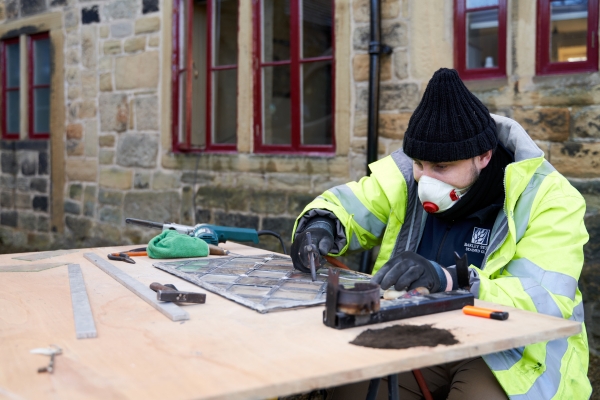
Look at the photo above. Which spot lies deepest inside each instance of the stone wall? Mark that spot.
(24, 189)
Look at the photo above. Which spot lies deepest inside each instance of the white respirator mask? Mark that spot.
(437, 196)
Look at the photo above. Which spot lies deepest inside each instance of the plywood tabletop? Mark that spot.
(224, 351)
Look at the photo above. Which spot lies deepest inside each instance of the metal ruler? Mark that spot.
(82, 312)
(172, 311)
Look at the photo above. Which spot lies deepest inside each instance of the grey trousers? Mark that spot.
(462, 380)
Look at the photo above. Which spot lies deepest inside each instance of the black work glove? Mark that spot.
(408, 271)
(321, 232)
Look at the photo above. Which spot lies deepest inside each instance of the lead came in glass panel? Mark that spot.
(277, 105)
(316, 28)
(225, 106)
(249, 284)
(257, 281)
(482, 39)
(568, 30)
(41, 98)
(317, 124)
(12, 66)
(252, 291)
(220, 278)
(225, 32)
(12, 111)
(268, 274)
(276, 30)
(294, 295)
(41, 73)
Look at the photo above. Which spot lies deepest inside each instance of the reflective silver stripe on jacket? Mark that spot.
(546, 385)
(498, 235)
(555, 282)
(524, 205)
(363, 217)
(410, 233)
(504, 360)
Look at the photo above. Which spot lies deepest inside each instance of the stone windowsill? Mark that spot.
(482, 85)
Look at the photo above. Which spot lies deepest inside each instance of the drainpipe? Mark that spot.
(376, 48)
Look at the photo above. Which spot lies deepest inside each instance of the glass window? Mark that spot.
(11, 91)
(223, 82)
(295, 71)
(568, 31)
(277, 117)
(208, 79)
(480, 38)
(566, 36)
(39, 85)
(481, 3)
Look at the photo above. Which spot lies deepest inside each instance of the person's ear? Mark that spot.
(482, 160)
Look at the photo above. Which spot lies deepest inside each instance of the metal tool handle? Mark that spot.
(141, 222)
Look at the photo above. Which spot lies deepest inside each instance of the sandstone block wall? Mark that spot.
(24, 193)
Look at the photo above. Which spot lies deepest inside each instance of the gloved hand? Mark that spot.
(408, 270)
(321, 232)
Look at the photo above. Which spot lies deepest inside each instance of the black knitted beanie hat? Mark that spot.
(450, 123)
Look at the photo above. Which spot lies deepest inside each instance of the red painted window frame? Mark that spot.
(185, 146)
(31, 86)
(460, 42)
(295, 61)
(4, 121)
(543, 66)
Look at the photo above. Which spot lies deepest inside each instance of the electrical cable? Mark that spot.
(267, 232)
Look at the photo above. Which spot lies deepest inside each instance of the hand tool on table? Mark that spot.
(82, 311)
(51, 351)
(170, 310)
(169, 292)
(211, 234)
(313, 257)
(361, 305)
(126, 255)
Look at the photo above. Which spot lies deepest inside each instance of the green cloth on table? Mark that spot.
(170, 244)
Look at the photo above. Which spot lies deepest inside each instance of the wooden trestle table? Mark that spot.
(224, 351)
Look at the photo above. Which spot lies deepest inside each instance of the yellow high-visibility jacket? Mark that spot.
(533, 260)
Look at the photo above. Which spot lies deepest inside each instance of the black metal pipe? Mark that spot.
(373, 112)
(375, 50)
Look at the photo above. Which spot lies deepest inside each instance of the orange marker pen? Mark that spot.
(485, 313)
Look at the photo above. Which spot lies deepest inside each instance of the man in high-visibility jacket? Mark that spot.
(475, 183)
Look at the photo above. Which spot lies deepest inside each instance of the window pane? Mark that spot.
(224, 106)
(568, 30)
(225, 32)
(316, 103)
(481, 3)
(276, 107)
(41, 74)
(41, 98)
(276, 30)
(12, 111)
(482, 39)
(12, 65)
(316, 28)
